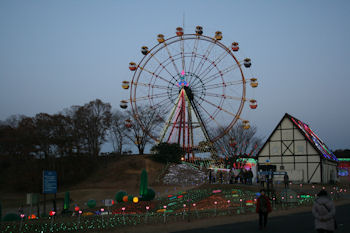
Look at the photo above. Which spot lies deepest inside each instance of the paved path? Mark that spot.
(294, 223)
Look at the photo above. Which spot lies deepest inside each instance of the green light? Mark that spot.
(344, 159)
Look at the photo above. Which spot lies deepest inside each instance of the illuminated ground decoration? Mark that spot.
(313, 138)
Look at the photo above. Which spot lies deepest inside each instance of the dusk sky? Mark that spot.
(55, 54)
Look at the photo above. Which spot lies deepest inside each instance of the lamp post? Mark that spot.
(146, 217)
(164, 213)
(123, 209)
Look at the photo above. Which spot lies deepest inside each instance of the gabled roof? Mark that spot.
(310, 135)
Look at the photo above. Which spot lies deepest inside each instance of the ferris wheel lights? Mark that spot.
(144, 50)
(218, 35)
(179, 31)
(123, 104)
(247, 62)
(199, 30)
(125, 85)
(132, 66)
(160, 38)
(253, 104)
(253, 82)
(235, 46)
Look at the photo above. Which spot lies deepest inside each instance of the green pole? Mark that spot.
(66, 201)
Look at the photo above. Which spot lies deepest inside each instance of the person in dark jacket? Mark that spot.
(286, 181)
(263, 208)
(324, 212)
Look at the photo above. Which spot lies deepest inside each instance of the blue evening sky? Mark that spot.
(55, 54)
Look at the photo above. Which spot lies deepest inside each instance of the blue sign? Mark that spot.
(49, 182)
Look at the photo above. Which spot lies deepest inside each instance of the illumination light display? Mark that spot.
(201, 203)
(315, 140)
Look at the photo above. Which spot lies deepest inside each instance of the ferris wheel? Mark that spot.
(196, 86)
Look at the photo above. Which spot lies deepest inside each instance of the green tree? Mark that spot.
(144, 183)
(167, 152)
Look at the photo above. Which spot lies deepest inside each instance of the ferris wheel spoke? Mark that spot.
(210, 116)
(213, 64)
(163, 104)
(171, 57)
(164, 67)
(146, 97)
(219, 74)
(193, 55)
(204, 58)
(224, 96)
(217, 106)
(156, 75)
(223, 84)
(150, 85)
(183, 54)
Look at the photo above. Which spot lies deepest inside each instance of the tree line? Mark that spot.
(78, 130)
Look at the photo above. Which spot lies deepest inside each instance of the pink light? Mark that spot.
(217, 191)
(147, 207)
(282, 198)
(102, 209)
(80, 212)
(228, 201)
(272, 199)
(184, 205)
(123, 208)
(291, 197)
(22, 215)
(182, 73)
(301, 185)
(194, 204)
(164, 207)
(215, 202)
(240, 200)
(313, 186)
(323, 187)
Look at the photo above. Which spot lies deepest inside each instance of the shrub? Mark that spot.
(91, 203)
(149, 196)
(167, 153)
(119, 196)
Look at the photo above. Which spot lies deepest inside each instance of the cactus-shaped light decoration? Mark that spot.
(66, 201)
(144, 183)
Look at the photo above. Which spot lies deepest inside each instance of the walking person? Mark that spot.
(210, 176)
(286, 181)
(262, 180)
(324, 212)
(263, 208)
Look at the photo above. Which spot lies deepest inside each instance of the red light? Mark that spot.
(76, 208)
(181, 196)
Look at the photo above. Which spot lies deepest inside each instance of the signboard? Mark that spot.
(49, 182)
(108, 202)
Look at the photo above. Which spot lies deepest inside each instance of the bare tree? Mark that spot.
(96, 118)
(117, 132)
(138, 132)
(238, 143)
